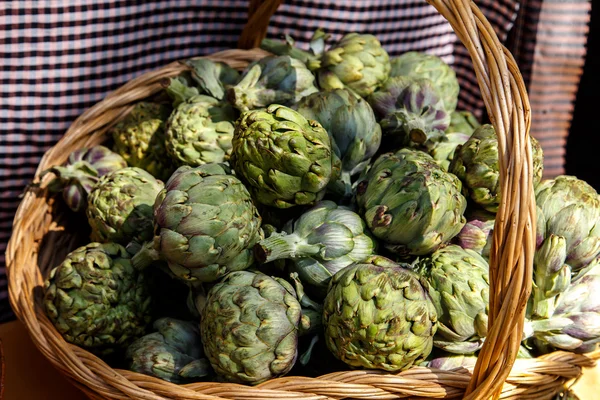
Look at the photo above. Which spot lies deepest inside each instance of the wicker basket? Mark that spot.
(42, 237)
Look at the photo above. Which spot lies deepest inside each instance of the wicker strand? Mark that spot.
(43, 233)
(259, 14)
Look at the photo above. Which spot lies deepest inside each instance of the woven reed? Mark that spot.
(42, 236)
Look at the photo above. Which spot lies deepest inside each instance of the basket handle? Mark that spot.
(513, 245)
(259, 15)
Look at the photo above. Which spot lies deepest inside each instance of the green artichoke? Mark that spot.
(311, 58)
(140, 139)
(180, 88)
(97, 300)
(272, 80)
(377, 315)
(357, 62)
(476, 165)
(250, 327)
(173, 353)
(420, 65)
(351, 123)
(463, 122)
(120, 206)
(477, 233)
(410, 111)
(283, 158)
(205, 224)
(325, 239)
(410, 203)
(200, 130)
(443, 151)
(568, 238)
(575, 323)
(458, 282)
(213, 78)
(82, 171)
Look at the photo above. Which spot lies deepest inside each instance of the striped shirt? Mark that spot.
(58, 58)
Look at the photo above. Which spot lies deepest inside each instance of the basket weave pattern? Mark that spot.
(41, 238)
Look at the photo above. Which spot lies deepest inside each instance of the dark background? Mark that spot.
(583, 144)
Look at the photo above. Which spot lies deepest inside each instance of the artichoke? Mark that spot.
(351, 123)
(420, 65)
(462, 122)
(82, 171)
(140, 139)
(283, 158)
(458, 282)
(97, 300)
(575, 323)
(173, 353)
(287, 48)
(410, 111)
(568, 238)
(476, 165)
(205, 224)
(325, 239)
(410, 203)
(451, 362)
(200, 130)
(120, 206)
(272, 80)
(443, 151)
(213, 78)
(357, 62)
(477, 233)
(377, 315)
(250, 327)
(180, 88)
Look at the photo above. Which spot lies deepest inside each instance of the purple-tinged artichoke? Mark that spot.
(568, 238)
(322, 241)
(476, 165)
(420, 65)
(575, 323)
(272, 80)
(205, 225)
(351, 123)
(410, 111)
(458, 283)
(357, 62)
(97, 300)
(173, 353)
(410, 203)
(284, 159)
(378, 316)
(251, 324)
(476, 235)
(120, 206)
(140, 139)
(82, 171)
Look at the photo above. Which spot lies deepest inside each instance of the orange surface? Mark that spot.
(30, 376)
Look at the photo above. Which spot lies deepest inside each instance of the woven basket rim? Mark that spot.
(506, 99)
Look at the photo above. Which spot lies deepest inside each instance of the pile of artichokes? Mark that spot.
(325, 199)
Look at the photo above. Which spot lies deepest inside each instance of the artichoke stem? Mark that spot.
(305, 357)
(281, 246)
(542, 307)
(145, 256)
